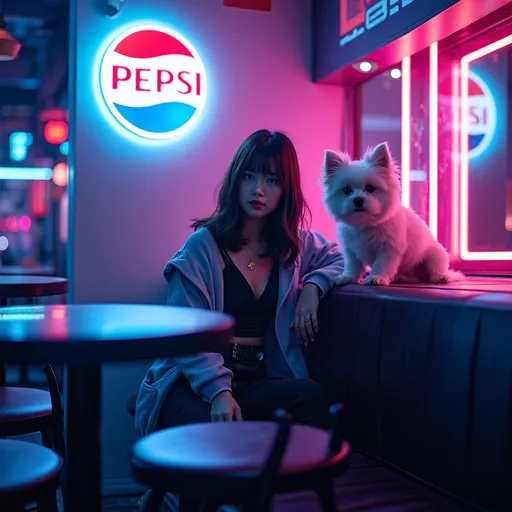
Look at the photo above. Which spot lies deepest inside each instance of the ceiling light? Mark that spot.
(395, 73)
(9, 47)
(365, 66)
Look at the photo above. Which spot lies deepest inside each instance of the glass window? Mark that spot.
(379, 103)
(483, 104)
(448, 120)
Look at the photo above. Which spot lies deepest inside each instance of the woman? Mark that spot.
(250, 259)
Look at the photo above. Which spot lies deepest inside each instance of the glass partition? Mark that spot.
(447, 115)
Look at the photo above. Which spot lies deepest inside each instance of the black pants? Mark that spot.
(257, 395)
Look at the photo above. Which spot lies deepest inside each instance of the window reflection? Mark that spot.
(33, 125)
(379, 100)
(486, 100)
(455, 134)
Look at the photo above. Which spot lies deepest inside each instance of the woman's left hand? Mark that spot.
(305, 321)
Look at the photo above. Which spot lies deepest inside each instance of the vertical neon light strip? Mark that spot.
(406, 131)
(433, 101)
(465, 253)
(455, 181)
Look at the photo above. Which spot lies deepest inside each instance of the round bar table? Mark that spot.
(30, 286)
(83, 337)
(27, 286)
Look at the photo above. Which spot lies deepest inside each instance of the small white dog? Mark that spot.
(374, 228)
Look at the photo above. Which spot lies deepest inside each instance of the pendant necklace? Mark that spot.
(251, 265)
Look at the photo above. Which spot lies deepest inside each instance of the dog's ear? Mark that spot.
(333, 162)
(379, 156)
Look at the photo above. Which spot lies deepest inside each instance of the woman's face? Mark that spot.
(259, 194)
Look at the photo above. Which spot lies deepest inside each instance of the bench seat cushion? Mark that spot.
(425, 374)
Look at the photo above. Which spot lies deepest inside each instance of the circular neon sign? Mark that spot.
(482, 115)
(153, 82)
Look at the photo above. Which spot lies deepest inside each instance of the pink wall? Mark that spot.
(133, 202)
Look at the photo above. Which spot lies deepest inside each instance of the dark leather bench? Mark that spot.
(425, 374)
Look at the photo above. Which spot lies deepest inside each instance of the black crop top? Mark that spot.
(252, 315)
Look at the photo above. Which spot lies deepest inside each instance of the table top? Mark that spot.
(12, 286)
(97, 333)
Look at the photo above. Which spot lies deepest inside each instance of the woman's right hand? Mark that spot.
(225, 408)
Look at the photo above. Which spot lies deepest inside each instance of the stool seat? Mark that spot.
(19, 404)
(226, 459)
(245, 463)
(231, 447)
(26, 467)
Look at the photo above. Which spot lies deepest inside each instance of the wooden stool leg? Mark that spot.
(47, 437)
(47, 503)
(64, 487)
(152, 501)
(3, 374)
(327, 499)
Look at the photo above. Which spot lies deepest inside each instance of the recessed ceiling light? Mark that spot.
(395, 73)
(365, 66)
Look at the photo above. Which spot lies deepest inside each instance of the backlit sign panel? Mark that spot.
(153, 82)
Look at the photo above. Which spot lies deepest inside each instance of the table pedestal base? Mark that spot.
(83, 421)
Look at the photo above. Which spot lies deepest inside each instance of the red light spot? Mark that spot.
(56, 132)
(39, 199)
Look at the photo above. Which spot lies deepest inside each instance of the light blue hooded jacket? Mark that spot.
(195, 279)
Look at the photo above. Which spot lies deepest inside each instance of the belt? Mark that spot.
(245, 352)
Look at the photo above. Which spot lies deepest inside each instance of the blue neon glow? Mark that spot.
(21, 316)
(25, 173)
(18, 145)
(158, 118)
(18, 153)
(64, 148)
(21, 138)
(102, 104)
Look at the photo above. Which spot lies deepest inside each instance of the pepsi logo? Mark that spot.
(482, 115)
(153, 82)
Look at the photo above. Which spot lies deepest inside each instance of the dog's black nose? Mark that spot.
(358, 202)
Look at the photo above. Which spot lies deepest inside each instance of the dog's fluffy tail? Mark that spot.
(455, 275)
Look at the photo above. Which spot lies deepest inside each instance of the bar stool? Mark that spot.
(27, 410)
(30, 472)
(213, 464)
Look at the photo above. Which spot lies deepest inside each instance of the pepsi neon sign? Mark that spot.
(153, 82)
(482, 115)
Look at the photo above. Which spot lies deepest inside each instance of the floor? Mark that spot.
(122, 504)
(366, 487)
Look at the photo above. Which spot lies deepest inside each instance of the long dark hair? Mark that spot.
(268, 153)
